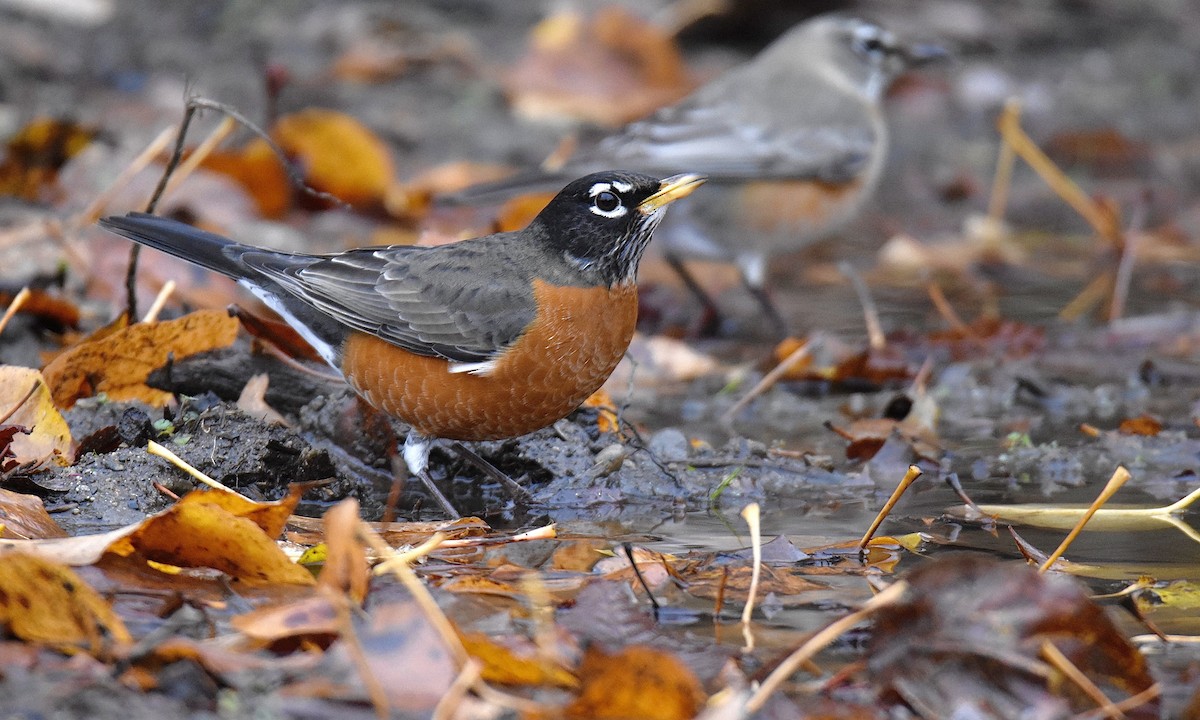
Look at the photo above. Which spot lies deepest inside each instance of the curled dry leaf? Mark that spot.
(119, 362)
(609, 70)
(42, 601)
(25, 517)
(345, 570)
(49, 437)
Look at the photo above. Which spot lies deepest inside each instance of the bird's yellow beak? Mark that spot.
(671, 189)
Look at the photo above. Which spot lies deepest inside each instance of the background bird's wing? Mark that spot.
(725, 132)
(425, 300)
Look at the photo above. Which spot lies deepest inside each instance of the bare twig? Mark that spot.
(1118, 479)
(875, 337)
(768, 380)
(13, 307)
(910, 477)
(750, 514)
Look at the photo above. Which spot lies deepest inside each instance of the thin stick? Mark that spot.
(1002, 179)
(910, 477)
(946, 310)
(358, 657)
(751, 515)
(875, 337)
(92, 212)
(818, 642)
(14, 306)
(768, 380)
(399, 565)
(468, 676)
(21, 403)
(159, 301)
(1088, 297)
(1118, 479)
(1129, 251)
(155, 449)
(1023, 145)
(1063, 664)
(198, 155)
(1130, 703)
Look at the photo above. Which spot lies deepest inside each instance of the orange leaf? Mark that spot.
(37, 152)
(337, 155)
(259, 170)
(119, 363)
(506, 666)
(636, 682)
(1140, 425)
(44, 602)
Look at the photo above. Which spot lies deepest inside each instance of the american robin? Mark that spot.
(484, 339)
(792, 143)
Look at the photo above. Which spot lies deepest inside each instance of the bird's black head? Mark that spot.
(601, 223)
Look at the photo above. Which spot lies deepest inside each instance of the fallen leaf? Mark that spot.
(259, 170)
(506, 666)
(337, 154)
(44, 602)
(969, 633)
(49, 437)
(118, 362)
(1140, 425)
(253, 400)
(610, 69)
(345, 570)
(25, 517)
(635, 682)
(37, 152)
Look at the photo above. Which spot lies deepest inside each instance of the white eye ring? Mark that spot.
(603, 193)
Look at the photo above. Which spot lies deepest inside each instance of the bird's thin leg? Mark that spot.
(518, 493)
(711, 321)
(416, 457)
(753, 270)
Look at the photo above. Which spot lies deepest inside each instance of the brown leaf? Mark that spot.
(635, 682)
(969, 631)
(345, 569)
(307, 617)
(119, 362)
(42, 601)
(37, 152)
(609, 70)
(49, 436)
(25, 517)
(1140, 425)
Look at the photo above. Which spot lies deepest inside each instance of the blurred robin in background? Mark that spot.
(792, 142)
(484, 339)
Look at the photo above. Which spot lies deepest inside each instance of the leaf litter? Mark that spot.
(607, 613)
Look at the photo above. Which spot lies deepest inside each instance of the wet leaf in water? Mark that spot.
(968, 636)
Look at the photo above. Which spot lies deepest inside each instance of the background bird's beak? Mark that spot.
(923, 53)
(669, 190)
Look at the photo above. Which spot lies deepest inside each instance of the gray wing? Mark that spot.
(751, 126)
(425, 300)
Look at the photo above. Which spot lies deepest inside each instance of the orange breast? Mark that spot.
(569, 350)
(798, 207)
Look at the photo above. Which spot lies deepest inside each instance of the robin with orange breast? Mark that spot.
(484, 339)
(792, 143)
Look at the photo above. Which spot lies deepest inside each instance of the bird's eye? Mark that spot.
(608, 204)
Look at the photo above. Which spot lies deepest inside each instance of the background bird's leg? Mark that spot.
(416, 457)
(753, 269)
(514, 489)
(710, 323)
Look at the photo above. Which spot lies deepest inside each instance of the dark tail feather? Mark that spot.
(181, 240)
